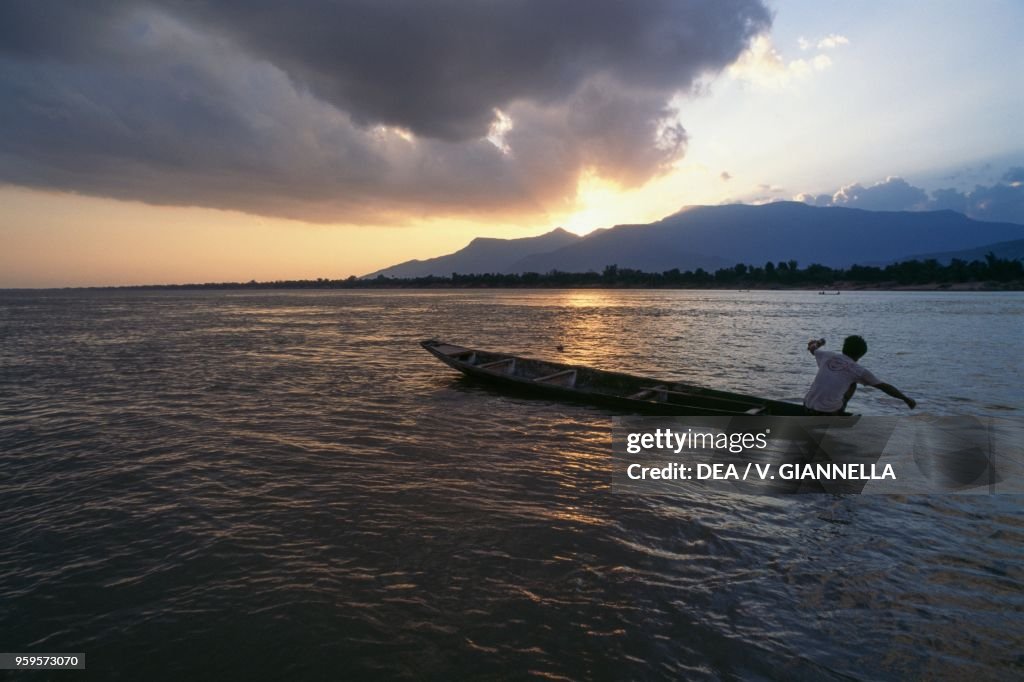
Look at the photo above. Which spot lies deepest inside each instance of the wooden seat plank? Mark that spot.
(556, 375)
(566, 376)
(511, 362)
(646, 393)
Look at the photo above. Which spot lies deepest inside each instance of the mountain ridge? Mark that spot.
(482, 254)
(712, 237)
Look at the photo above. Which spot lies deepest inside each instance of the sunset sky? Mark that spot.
(173, 141)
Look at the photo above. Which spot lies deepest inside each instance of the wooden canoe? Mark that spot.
(611, 389)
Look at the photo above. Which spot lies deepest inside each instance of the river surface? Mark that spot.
(283, 485)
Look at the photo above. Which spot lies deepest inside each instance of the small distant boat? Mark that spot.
(828, 293)
(612, 389)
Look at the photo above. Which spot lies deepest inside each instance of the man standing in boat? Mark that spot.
(838, 376)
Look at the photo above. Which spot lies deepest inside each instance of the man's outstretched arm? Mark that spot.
(896, 393)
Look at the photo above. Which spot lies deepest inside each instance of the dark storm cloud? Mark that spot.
(352, 110)
(1001, 202)
(439, 68)
(48, 29)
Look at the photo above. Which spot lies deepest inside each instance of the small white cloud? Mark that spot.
(821, 62)
(803, 43)
(763, 65)
(832, 40)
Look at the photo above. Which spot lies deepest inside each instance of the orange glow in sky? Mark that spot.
(810, 101)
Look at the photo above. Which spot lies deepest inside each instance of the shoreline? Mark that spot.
(994, 274)
(344, 285)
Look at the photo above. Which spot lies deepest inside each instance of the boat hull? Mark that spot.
(625, 392)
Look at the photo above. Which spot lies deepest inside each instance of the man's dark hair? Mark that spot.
(855, 347)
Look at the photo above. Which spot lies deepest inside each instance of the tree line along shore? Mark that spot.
(993, 273)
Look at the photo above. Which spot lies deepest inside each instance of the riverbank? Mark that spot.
(992, 274)
(829, 289)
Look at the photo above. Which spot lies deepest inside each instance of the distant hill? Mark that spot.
(641, 247)
(712, 237)
(482, 255)
(837, 237)
(1007, 250)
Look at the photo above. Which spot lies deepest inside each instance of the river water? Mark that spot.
(283, 485)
